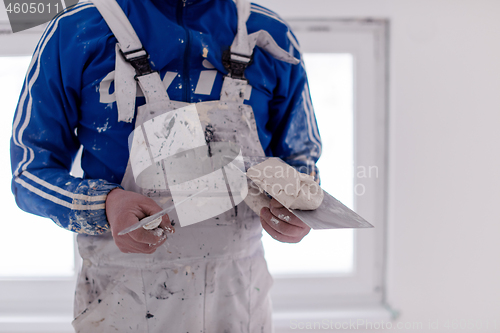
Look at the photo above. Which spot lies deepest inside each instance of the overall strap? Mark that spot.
(119, 25)
(239, 56)
(241, 52)
(132, 63)
(243, 44)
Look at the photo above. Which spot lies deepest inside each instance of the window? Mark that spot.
(346, 63)
(327, 251)
(54, 255)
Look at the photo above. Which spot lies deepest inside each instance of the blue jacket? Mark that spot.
(67, 99)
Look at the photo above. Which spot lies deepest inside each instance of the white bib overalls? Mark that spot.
(207, 277)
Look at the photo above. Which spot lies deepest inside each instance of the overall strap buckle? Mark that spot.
(139, 60)
(236, 64)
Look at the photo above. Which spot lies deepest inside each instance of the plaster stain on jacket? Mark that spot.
(104, 128)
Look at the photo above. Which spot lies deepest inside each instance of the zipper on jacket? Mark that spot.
(187, 52)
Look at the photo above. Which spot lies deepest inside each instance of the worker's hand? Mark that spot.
(281, 224)
(125, 208)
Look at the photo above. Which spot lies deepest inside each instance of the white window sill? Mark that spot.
(39, 324)
(283, 321)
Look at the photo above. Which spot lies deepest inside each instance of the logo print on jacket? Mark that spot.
(204, 85)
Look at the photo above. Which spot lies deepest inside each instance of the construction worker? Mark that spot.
(103, 70)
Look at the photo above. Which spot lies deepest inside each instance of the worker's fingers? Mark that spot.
(145, 241)
(148, 206)
(281, 230)
(279, 225)
(144, 236)
(160, 241)
(277, 235)
(159, 235)
(141, 240)
(127, 245)
(124, 209)
(141, 248)
(152, 236)
(284, 214)
(166, 224)
(139, 235)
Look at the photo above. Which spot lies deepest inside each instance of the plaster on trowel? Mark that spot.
(331, 214)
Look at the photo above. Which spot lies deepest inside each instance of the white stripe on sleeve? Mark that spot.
(57, 200)
(63, 191)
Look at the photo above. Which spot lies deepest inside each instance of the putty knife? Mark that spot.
(147, 220)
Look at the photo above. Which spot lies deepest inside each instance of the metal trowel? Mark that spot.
(331, 214)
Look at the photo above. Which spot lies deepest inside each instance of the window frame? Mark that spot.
(363, 292)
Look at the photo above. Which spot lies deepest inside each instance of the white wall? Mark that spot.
(444, 182)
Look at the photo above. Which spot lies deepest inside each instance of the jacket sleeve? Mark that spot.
(296, 138)
(44, 140)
